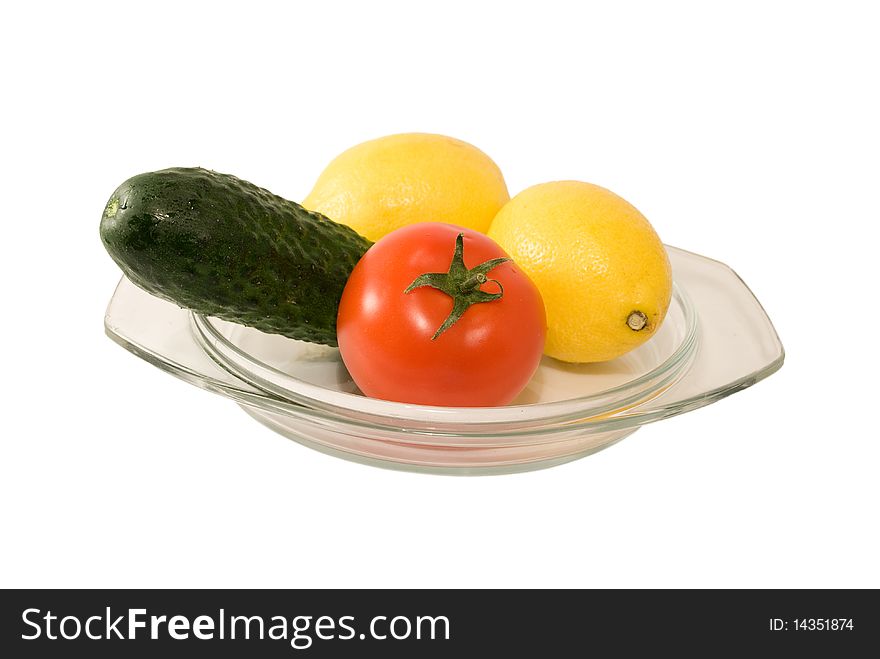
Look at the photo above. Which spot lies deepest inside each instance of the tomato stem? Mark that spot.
(461, 284)
(473, 281)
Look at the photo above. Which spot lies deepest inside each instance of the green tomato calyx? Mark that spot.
(461, 284)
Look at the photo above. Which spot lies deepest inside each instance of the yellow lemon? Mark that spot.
(386, 183)
(600, 266)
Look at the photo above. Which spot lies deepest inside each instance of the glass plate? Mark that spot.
(716, 340)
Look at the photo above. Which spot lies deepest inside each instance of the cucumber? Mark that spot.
(224, 247)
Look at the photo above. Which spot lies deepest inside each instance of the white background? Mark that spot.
(749, 134)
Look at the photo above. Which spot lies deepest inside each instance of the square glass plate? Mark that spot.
(715, 341)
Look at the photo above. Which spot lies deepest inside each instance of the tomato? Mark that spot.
(419, 322)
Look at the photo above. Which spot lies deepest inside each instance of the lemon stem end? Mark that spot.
(637, 321)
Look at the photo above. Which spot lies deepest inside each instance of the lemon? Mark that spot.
(600, 266)
(386, 183)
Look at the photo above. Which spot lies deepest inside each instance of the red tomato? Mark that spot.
(388, 321)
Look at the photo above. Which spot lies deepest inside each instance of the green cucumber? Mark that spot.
(224, 247)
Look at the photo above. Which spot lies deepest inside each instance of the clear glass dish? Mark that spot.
(716, 340)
